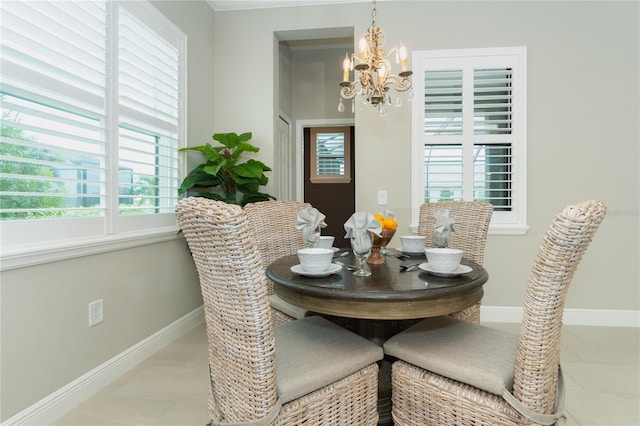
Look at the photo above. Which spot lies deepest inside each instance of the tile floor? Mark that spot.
(601, 367)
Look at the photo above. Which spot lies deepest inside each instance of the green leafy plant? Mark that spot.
(222, 177)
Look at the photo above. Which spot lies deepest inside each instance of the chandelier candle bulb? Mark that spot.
(403, 57)
(345, 67)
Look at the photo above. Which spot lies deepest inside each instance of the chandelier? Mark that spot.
(374, 77)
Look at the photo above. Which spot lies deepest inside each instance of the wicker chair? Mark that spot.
(452, 372)
(470, 234)
(307, 371)
(273, 223)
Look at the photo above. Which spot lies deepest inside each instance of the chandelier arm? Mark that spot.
(400, 84)
(350, 92)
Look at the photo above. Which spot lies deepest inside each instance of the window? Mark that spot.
(330, 151)
(469, 131)
(92, 103)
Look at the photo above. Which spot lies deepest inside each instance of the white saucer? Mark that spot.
(411, 253)
(462, 269)
(333, 268)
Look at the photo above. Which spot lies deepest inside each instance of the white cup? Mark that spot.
(443, 259)
(413, 243)
(315, 259)
(325, 241)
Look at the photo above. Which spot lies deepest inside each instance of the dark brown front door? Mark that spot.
(329, 176)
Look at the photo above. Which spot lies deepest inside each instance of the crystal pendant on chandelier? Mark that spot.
(372, 77)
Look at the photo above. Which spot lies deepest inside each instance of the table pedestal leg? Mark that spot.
(378, 332)
(384, 392)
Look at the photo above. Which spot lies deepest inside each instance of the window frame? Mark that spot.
(314, 177)
(512, 223)
(67, 238)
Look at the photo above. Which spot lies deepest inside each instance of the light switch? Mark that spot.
(382, 198)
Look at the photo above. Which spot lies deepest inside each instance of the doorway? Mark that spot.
(329, 175)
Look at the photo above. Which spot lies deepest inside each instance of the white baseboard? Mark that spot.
(52, 407)
(589, 317)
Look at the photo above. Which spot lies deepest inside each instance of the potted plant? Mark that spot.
(222, 177)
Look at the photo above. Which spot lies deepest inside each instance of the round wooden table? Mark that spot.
(380, 305)
(388, 294)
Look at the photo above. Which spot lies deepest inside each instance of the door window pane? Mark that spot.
(330, 155)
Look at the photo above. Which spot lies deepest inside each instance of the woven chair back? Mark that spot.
(538, 355)
(237, 313)
(273, 224)
(470, 228)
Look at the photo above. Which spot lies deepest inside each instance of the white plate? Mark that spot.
(462, 269)
(333, 268)
(411, 253)
(335, 249)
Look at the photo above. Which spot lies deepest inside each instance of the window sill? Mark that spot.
(508, 229)
(31, 255)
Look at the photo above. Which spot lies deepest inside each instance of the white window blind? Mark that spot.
(470, 132)
(492, 95)
(330, 153)
(443, 102)
(92, 118)
(444, 177)
(149, 109)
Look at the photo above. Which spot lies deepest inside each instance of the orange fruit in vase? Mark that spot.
(389, 223)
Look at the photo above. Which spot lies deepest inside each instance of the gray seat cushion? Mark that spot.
(292, 310)
(469, 353)
(313, 352)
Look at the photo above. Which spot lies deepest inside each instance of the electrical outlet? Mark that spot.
(382, 198)
(95, 313)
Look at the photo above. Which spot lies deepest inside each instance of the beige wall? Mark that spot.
(583, 135)
(45, 340)
(315, 92)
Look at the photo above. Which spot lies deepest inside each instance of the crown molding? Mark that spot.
(228, 5)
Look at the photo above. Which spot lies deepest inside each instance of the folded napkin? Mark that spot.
(310, 220)
(443, 227)
(358, 227)
(388, 213)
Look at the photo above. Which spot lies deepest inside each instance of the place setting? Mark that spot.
(442, 261)
(412, 245)
(315, 262)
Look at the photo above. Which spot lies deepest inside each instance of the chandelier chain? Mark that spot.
(373, 15)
